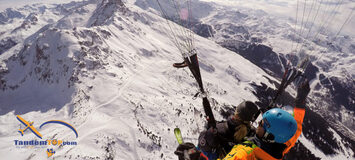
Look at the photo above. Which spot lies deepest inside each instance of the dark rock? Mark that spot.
(343, 93)
(9, 14)
(259, 54)
(6, 44)
(203, 30)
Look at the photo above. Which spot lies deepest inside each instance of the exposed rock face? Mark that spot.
(203, 30)
(105, 10)
(9, 14)
(6, 44)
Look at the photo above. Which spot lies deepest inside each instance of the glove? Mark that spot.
(188, 151)
(302, 93)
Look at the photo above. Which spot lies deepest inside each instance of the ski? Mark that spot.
(178, 136)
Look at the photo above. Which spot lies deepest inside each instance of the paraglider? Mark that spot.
(278, 130)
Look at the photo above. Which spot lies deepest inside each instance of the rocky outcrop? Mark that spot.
(105, 10)
(6, 44)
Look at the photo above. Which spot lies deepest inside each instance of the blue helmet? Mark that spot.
(280, 124)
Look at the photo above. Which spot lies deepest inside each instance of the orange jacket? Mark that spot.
(253, 152)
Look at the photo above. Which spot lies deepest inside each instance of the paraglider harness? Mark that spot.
(191, 61)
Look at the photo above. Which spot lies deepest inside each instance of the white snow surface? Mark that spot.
(20, 3)
(288, 9)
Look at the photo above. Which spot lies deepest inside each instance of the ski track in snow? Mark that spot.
(107, 125)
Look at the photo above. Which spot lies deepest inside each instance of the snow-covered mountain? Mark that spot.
(105, 67)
